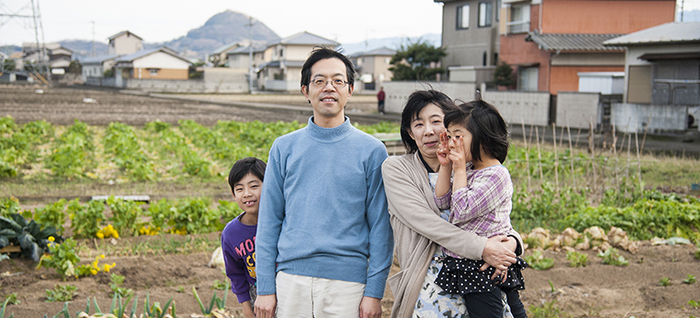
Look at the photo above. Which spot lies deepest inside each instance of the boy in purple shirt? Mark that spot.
(238, 238)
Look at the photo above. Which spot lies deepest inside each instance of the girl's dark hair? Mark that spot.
(484, 122)
(416, 102)
(244, 166)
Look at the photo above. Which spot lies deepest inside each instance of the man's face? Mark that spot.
(328, 101)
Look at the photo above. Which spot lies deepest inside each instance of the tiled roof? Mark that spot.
(98, 59)
(672, 32)
(379, 51)
(306, 38)
(122, 32)
(574, 42)
(137, 55)
(246, 50)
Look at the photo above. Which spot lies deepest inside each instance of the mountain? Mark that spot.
(82, 48)
(223, 28)
(393, 43)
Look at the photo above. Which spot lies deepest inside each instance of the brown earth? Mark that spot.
(596, 290)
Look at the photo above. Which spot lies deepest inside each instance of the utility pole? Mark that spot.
(250, 55)
(43, 61)
(93, 38)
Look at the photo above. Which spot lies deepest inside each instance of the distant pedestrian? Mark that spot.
(380, 101)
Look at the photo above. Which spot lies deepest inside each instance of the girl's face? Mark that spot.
(426, 129)
(458, 132)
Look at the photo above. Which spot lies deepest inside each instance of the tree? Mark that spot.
(503, 75)
(9, 65)
(74, 67)
(416, 61)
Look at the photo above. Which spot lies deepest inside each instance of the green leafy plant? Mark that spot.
(11, 299)
(694, 303)
(690, 279)
(2, 310)
(220, 303)
(86, 219)
(577, 259)
(218, 285)
(155, 310)
(547, 310)
(612, 257)
(32, 240)
(62, 258)
(115, 285)
(118, 308)
(52, 215)
(194, 216)
(665, 281)
(537, 261)
(61, 293)
(125, 215)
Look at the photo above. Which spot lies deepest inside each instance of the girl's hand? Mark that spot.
(443, 151)
(458, 156)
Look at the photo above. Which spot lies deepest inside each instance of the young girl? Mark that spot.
(479, 198)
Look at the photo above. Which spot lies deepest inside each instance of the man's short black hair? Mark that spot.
(416, 102)
(489, 130)
(322, 53)
(244, 166)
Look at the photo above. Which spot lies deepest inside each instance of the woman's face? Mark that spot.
(426, 129)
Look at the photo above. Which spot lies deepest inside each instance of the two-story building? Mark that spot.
(373, 67)
(160, 63)
(124, 42)
(284, 59)
(549, 42)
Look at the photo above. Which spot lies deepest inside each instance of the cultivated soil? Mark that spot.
(596, 290)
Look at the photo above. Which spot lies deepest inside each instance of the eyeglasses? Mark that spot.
(337, 83)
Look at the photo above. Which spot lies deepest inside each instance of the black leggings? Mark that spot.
(489, 305)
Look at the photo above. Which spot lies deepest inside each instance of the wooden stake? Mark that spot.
(539, 155)
(527, 156)
(556, 157)
(571, 154)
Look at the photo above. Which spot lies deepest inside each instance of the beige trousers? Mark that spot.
(303, 296)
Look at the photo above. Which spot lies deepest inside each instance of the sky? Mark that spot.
(160, 20)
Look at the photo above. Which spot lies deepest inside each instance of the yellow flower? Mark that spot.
(51, 239)
(94, 272)
(102, 256)
(115, 234)
(100, 235)
(106, 268)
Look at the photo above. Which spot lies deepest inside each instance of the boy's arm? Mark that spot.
(235, 271)
(381, 239)
(247, 309)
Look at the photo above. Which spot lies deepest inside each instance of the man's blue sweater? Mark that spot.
(323, 210)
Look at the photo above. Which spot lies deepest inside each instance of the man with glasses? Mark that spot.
(324, 241)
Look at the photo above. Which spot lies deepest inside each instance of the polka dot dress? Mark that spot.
(462, 276)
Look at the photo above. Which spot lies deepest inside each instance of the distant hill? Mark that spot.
(82, 48)
(393, 43)
(689, 16)
(223, 28)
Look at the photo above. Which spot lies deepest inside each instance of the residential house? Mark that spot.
(470, 32)
(284, 59)
(219, 56)
(373, 66)
(124, 42)
(161, 63)
(57, 56)
(662, 77)
(549, 42)
(240, 56)
(97, 66)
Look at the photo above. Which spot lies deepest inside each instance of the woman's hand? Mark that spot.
(443, 151)
(497, 254)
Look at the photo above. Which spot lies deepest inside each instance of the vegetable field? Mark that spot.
(57, 151)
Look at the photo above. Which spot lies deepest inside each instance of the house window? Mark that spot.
(485, 14)
(527, 79)
(153, 71)
(463, 17)
(387, 60)
(281, 53)
(519, 19)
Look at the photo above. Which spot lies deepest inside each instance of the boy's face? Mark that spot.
(247, 193)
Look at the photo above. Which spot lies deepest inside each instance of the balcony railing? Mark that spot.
(518, 26)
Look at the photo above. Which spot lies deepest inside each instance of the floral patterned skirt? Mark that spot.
(433, 302)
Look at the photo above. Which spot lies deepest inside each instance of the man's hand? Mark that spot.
(497, 254)
(370, 307)
(265, 306)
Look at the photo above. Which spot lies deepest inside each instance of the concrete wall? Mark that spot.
(636, 117)
(281, 85)
(532, 108)
(216, 80)
(397, 92)
(472, 74)
(577, 109)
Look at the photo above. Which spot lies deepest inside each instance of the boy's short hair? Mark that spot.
(489, 130)
(244, 166)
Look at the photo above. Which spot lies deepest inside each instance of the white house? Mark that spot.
(125, 42)
(284, 59)
(160, 63)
